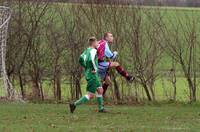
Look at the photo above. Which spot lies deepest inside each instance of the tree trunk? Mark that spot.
(57, 84)
(174, 85)
(116, 88)
(78, 87)
(147, 92)
(21, 85)
(41, 90)
(192, 91)
(35, 89)
(58, 87)
(152, 93)
(71, 87)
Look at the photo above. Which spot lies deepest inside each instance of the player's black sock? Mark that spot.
(72, 107)
(105, 87)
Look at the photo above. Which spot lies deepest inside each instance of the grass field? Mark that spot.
(56, 118)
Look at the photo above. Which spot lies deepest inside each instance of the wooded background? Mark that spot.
(161, 45)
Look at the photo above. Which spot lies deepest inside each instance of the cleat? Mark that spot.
(103, 111)
(130, 78)
(72, 107)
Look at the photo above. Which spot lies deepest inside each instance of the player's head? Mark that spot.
(93, 42)
(108, 37)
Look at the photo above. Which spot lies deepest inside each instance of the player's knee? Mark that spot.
(115, 64)
(91, 95)
(100, 90)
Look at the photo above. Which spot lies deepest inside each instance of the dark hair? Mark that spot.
(91, 40)
(106, 34)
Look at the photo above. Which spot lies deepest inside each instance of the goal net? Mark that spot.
(6, 89)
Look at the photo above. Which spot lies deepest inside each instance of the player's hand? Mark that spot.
(115, 53)
(93, 71)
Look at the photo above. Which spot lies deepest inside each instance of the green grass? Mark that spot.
(55, 118)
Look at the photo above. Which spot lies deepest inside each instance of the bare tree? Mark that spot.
(75, 37)
(57, 48)
(34, 12)
(145, 47)
(181, 42)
